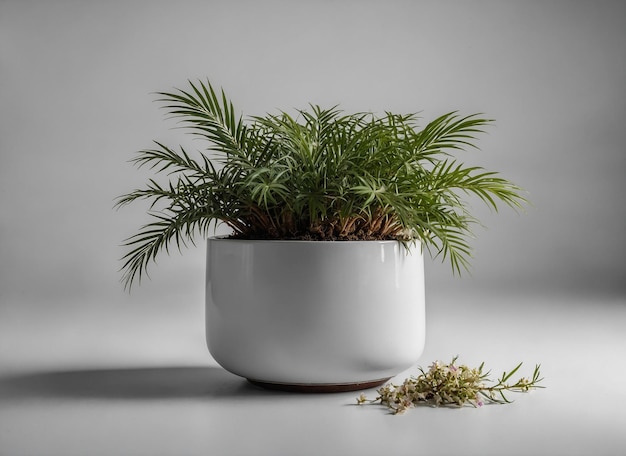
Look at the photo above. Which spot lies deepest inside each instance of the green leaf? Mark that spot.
(320, 170)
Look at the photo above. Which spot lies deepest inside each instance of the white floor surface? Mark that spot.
(113, 379)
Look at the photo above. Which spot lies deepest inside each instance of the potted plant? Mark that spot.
(330, 214)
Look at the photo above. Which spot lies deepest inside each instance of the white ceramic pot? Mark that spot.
(314, 315)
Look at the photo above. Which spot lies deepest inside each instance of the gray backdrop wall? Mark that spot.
(75, 102)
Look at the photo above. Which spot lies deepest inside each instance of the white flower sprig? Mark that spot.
(452, 385)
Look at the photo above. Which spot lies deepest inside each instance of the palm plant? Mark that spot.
(321, 175)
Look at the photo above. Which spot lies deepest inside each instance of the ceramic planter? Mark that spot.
(314, 315)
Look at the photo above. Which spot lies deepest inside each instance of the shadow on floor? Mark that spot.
(129, 383)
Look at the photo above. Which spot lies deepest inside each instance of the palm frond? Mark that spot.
(449, 131)
(318, 174)
(208, 115)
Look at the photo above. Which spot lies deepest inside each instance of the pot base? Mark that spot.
(319, 387)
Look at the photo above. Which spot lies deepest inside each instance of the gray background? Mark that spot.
(86, 368)
(75, 103)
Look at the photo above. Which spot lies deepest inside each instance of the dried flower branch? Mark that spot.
(452, 385)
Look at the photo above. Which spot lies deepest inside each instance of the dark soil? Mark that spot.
(315, 237)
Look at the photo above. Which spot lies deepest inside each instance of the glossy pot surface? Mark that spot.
(314, 312)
